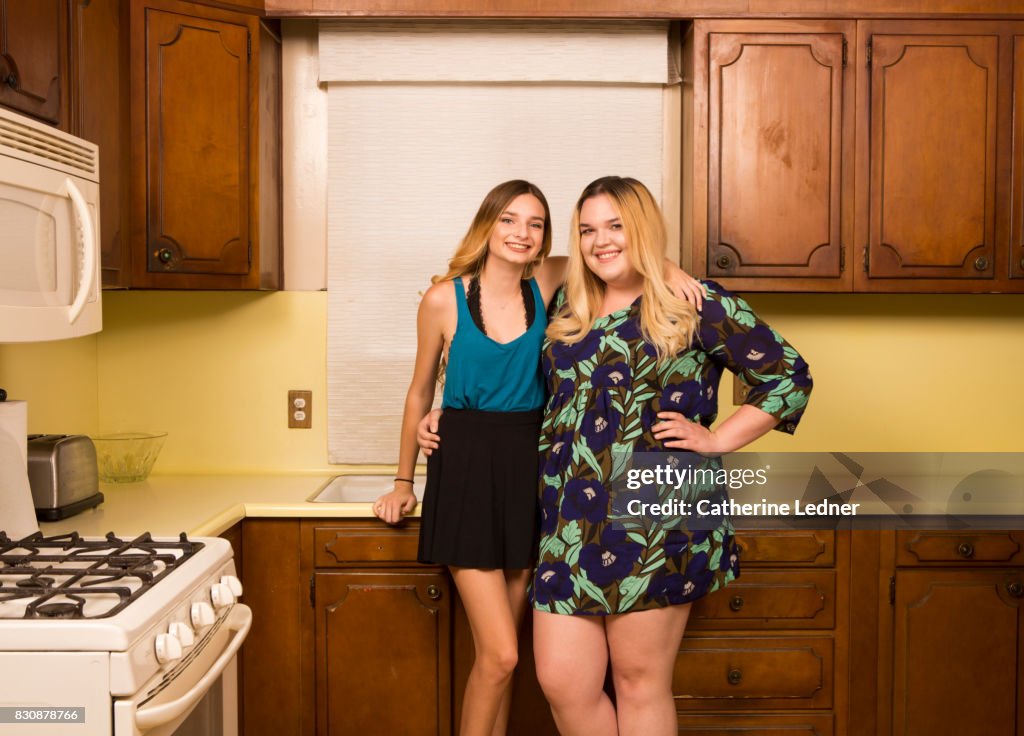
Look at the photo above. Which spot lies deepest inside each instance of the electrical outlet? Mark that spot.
(300, 409)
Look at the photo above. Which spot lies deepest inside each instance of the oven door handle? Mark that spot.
(239, 620)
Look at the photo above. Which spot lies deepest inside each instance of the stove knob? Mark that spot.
(202, 615)
(168, 648)
(221, 596)
(233, 583)
(183, 633)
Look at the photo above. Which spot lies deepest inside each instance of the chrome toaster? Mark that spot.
(63, 474)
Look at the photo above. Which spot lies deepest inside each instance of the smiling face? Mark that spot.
(519, 232)
(604, 244)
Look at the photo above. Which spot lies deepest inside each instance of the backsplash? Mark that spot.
(907, 373)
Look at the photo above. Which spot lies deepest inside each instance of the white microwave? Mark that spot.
(49, 233)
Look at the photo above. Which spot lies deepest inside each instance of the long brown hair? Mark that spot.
(471, 254)
(667, 321)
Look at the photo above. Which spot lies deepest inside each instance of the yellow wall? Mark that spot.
(909, 373)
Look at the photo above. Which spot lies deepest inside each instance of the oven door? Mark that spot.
(200, 699)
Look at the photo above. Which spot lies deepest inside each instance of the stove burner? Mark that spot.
(106, 574)
(36, 581)
(59, 610)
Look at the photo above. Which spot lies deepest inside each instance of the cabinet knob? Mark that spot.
(1022, 262)
(735, 677)
(736, 602)
(966, 549)
(980, 263)
(433, 592)
(723, 261)
(11, 80)
(165, 255)
(1016, 589)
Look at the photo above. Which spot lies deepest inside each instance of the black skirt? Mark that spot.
(480, 504)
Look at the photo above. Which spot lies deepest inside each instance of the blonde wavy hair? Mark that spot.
(471, 254)
(667, 321)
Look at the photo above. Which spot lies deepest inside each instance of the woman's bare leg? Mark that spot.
(572, 658)
(515, 585)
(485, 596)
(643, 647)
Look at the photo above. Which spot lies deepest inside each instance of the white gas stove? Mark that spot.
(119, 636)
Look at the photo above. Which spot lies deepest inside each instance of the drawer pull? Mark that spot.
(736, 603)
(433, 592)
(1016, 589)
(965, 550)
(980, 263)
(735, 677)
(723, 261)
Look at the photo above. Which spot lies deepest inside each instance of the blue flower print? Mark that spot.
(567, 356)
(585, 499)
(611, 559)
(552, 582)
(801, 373)
(600, 424)
(549, 510)
(629, 330)
(607, 376)
(689, 398)
(666, 585)
(754, 349)
(711, 314)
(559, 455)
(676, 542)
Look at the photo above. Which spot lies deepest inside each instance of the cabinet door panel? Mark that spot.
(753, 672)
(958, 642)
(775, 154)
(933, 156)
(197, 113)
(816, 547)
(34, 58)
(100, 50)
(386, 632)
(779, 600)
(1017, 208)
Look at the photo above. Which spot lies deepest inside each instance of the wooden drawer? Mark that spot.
(803, 547)
(753, 673)
(718, 724)
(959, 547)
(797, 599)
(341, 544)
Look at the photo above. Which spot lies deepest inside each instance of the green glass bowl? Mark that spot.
(127, 457)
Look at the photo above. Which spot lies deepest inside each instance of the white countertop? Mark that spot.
(204, 505)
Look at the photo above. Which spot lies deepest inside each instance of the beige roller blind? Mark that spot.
(408, 164)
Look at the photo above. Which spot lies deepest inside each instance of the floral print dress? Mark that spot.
(606, 391)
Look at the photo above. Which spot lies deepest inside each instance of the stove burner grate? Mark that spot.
(56, 576)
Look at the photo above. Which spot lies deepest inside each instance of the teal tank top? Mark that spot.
(492, 376)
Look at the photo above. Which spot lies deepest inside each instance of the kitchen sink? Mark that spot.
(362, 488)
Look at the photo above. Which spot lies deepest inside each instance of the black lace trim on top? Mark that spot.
(473, 302)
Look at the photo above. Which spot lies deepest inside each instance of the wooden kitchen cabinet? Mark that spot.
(952, 637)
(205, 111)
(344, 618)
(773, 153)
(100, 114)
(34, 49)
(872, 155)
(382, 637)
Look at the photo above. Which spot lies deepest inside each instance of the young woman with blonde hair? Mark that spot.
(632, 370)
(484, 323)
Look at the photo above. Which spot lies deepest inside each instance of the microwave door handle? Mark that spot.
(148, 718)
(86, 239)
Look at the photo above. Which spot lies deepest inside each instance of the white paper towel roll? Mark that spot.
(17, 511)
